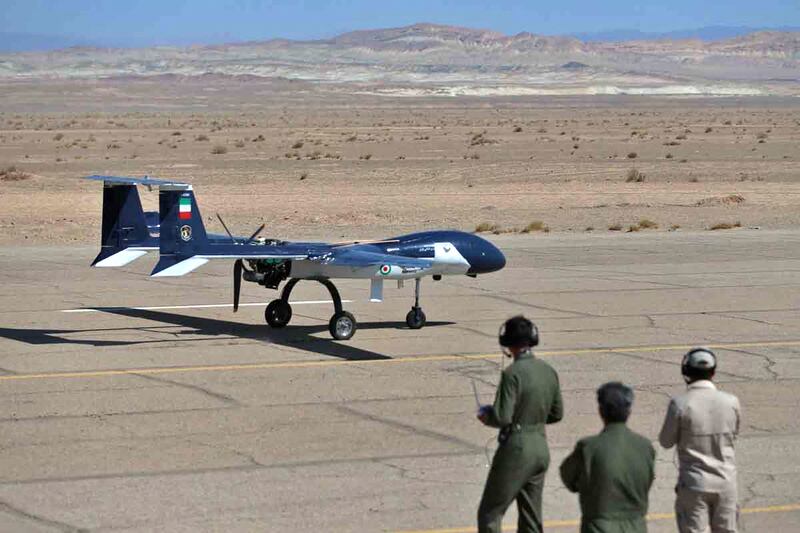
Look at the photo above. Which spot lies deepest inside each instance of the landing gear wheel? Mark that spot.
(415, 318)
(278, 313)
(342, 326)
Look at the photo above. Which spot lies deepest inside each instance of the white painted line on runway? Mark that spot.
(197, 306)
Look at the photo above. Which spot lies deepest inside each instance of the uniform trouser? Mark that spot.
(695, 511)
(517, 473)
(604, 525)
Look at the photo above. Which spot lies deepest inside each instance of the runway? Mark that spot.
(160, 409)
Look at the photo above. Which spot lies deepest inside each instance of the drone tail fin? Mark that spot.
(183, 234)
(125, 233)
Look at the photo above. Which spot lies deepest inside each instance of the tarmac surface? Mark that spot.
(178, 417)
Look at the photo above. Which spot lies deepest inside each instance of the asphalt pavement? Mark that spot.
(138, 404)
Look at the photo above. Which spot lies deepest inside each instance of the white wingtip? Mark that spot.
(121, 258)
(179, 269)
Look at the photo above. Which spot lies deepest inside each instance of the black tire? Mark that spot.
(342, 326)
(278, 313)
(415, 319)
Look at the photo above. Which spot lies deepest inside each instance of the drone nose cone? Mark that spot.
(488, 258)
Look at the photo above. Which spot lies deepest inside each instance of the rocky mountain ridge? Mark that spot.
(424, 53)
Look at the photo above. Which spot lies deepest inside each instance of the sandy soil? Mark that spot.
(311, 162)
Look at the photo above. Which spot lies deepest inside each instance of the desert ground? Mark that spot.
(634, 227)
(321, 162)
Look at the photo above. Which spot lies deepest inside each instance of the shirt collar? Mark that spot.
(702, 384)
(525, 354)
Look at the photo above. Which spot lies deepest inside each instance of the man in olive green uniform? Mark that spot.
(528, 397)
(612, 471)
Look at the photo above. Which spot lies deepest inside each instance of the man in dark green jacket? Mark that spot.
(528, 397)
(612, 471)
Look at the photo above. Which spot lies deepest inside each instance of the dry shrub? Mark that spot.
(480, 139)
(615, 227)
(536, 225)
(58, 136)
(634, 176)
(298, 145)
(731, 199)
(484, 227)
(365, 157)
(12, 173)
(725, 225)
(646, 223)
(219, 150)
(202, 137)
(239, 144)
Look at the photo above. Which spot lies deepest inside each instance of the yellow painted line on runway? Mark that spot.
(398, 360)
(654, 517)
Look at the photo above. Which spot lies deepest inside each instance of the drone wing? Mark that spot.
(385, 265)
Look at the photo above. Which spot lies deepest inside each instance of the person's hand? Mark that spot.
(483, 414)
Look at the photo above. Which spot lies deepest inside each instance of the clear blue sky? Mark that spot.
(146, 22)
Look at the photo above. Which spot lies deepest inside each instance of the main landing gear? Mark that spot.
(342, 324)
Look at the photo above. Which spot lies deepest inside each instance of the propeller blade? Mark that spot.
(237, 283)
(259, 230)
(226, 227)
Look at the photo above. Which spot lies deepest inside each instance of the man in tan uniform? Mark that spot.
(703, 423)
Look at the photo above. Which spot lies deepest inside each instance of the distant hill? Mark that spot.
(456, 60)
(706, 33)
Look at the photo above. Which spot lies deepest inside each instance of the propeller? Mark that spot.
(237, 282)
(226, 227)
(255, 234)
(238, 265)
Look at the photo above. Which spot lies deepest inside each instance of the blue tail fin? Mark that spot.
(125, 233)
(183, 234)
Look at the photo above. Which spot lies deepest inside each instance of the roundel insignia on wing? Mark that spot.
(186, 233)
(385, 270)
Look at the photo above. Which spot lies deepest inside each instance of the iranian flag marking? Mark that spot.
(185, 209)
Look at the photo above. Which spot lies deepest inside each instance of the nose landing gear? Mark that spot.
(415, 319)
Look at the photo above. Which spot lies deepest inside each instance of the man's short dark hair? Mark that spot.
(615, 401)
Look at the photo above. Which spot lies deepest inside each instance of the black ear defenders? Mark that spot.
(698, 360)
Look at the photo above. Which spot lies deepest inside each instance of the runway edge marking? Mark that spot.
(410, 359)
(654, 517)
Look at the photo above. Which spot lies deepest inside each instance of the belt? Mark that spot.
(518, 428)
